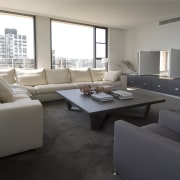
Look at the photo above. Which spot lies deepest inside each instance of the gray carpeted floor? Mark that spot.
(71, 149)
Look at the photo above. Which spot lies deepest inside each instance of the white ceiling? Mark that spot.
(122, 14)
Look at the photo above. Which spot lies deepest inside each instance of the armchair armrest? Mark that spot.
(140, 154)
(177, 109)
(21, 126)
(170, 120)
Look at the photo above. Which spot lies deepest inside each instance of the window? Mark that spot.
(73, 45)
(164, 62)
(100, 45)
(17, 41)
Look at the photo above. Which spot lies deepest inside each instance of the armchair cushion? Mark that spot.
(177, 109)
(170, 120)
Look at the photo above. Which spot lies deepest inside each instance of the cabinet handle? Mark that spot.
(158, 86)
(177, 89)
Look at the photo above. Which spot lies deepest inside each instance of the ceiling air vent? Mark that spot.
(169, 21)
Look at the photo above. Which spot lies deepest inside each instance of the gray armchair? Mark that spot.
(150, 152)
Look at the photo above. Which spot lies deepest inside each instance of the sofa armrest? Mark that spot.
(170, 120)
(21, 126)
(123, 79)
(140, 154)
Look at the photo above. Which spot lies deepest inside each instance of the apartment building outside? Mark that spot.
(13, 50)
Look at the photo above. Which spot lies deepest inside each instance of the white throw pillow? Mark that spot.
(30, 77)
(6, 93)
(112, 76)
(57, 76)
(8, 75)
(80, 75)
(97, 74)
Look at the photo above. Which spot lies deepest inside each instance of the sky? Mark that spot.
(72, 41)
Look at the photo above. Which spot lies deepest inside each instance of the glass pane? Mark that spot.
(17, 42)
(100, 50)
(72, 45)
(99, 64)
(100, 35)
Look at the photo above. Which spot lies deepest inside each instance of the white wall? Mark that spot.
(116, 51)
(43, 51)
(151, 37)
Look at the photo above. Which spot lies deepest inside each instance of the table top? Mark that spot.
(90, 105)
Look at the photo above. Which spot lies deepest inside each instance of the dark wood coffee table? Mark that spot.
(99, 110)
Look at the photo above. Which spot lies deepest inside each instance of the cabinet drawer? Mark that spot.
(132, 80)
(174, 87)
(160, 85)
(145, 82)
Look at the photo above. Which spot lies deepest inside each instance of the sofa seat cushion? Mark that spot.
(30, 77)
(57, 76)
(109, 83)
(8, 75)
(6, 93)
(80, 75)
(51, 88)
(19, 97)
(78, 85)
(31, 90)
(97, 74)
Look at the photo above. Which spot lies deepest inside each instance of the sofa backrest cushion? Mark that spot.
(112, 76)
(57, 76)
(8, 75)
(6, 93)
(97, 74)
(80, 75)
(30, 77)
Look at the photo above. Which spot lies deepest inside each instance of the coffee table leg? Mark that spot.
(97, 120)
(71, 107)
(147, 110)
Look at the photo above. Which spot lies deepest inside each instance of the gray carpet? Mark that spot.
(71, 149)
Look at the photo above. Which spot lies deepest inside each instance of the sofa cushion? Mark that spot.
(97, 74)
(6, 93)
(112, 76)
(8, 75)
(51, 88)
(57, 76)
(80, 75)
(30, 77)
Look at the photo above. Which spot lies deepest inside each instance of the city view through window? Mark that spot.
(73, 45)
(16, 41)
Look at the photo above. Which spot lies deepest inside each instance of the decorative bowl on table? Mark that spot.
(105, 89)
(86, 89)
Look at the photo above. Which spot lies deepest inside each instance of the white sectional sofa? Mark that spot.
(21, 113)
(21, 121)
(43, 83)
